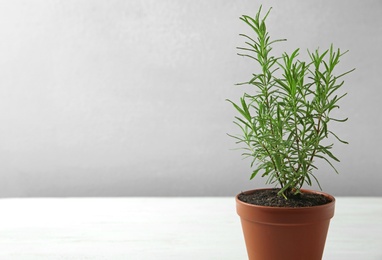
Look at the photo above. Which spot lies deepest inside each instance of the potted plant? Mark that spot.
(285, 130)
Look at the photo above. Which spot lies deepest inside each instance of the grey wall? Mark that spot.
(120, 98)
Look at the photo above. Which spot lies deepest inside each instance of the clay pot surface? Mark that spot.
(276, 233)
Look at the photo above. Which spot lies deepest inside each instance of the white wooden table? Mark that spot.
(162, 228)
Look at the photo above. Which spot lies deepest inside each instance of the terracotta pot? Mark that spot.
(275, 233)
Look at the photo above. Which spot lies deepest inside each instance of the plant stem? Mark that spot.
(274, 166)
(318, 131)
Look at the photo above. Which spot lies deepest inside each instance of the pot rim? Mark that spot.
(327, 195)
(285, 215)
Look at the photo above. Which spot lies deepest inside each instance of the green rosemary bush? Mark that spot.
(285, 121)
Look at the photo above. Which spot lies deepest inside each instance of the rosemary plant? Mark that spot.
(285, 121)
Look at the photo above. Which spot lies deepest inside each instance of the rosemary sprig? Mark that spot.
(285, 121)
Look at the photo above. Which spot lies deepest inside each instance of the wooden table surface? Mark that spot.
(163, 228)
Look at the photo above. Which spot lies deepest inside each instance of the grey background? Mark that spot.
(127, 98)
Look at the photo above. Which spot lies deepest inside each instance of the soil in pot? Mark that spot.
(269, 197)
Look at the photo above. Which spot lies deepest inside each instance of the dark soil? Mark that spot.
(270, 198)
